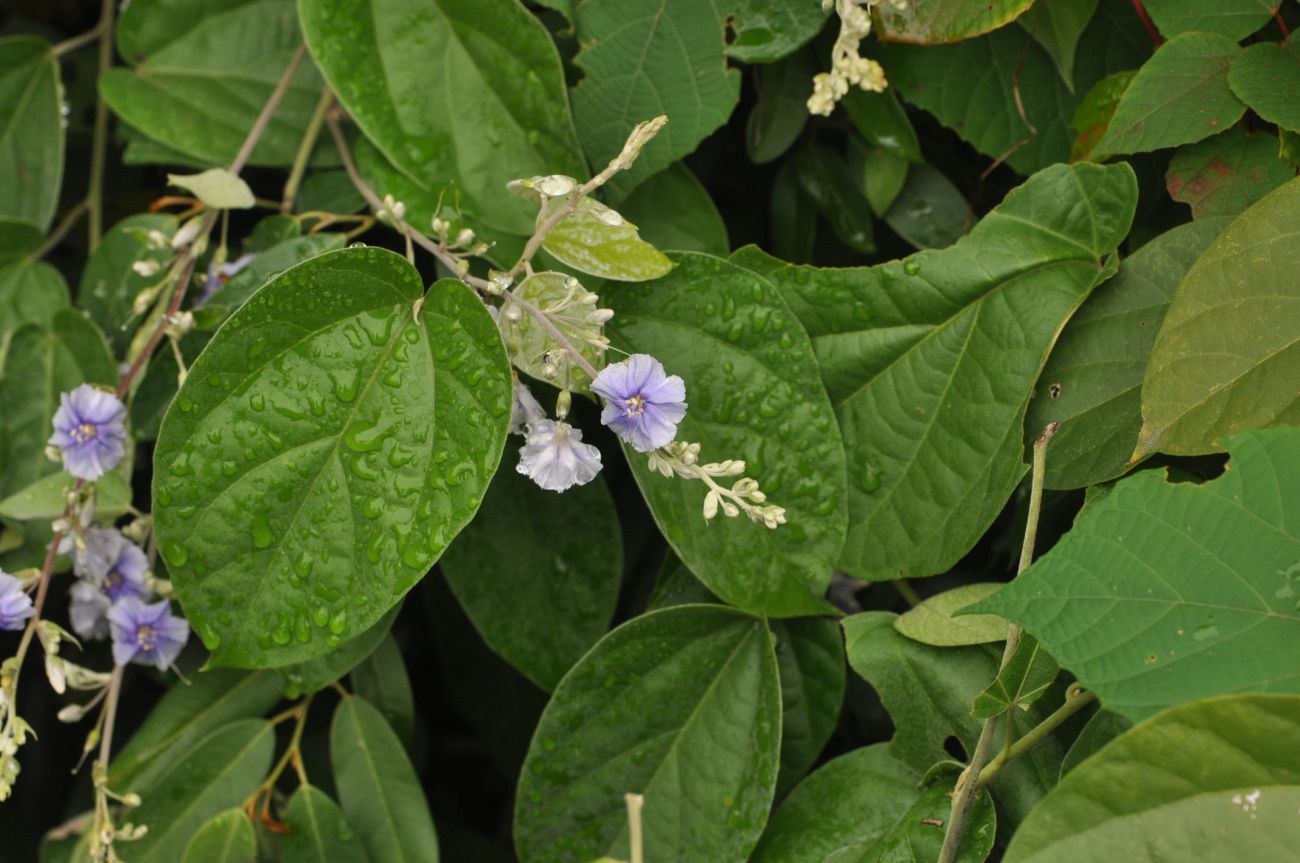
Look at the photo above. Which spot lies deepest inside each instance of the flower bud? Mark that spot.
(146, 267)
(465, 237)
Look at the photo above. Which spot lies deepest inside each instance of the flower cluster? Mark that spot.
(89, 432)
(682, 459)
(848, 67)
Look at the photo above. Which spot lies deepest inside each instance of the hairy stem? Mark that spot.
(968, 783)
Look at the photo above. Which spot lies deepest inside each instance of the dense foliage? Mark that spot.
(614, 430)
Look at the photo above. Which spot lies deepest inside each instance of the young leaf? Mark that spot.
(880, 118)
(810, 659)
(226, 837)
(532, 347)
(202, 92)
(865, 806)
(31, 292)
(1092, 381)
(217, 188)
(217, 774)
(943, 350)
(598, 241)
(1092, 117)
(1171, 585)
(753, 394)
(109, 284)
(501, 83)
(31, 130)
(1265, 76)
(681, 705)
(883, 177)
(951, 21)
(1210, 780)
(320, 832)
(1223, 175)
(1024, 678)
(284, 519)
(539, 573)
(45, 499)
(378, 789)
(932, 622)
(1235, 19)
(381, 680)
(1224, 359)
(1179, 96)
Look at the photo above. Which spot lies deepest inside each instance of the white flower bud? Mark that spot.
(600, 316)
(146, 268)
(188, 233)
(710, 505)
(71, 713)
(464, 237)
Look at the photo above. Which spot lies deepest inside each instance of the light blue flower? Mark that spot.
(146, 634)
(643, 404)
(554, 456)
(15, 604)
(90, 431)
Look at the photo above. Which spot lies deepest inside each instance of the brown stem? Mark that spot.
(1146, 22)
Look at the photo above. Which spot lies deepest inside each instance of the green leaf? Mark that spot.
(826, 179)
(217, 774)
(599, 242)
(1102, 727)
(681, 705)
(531, 346)
(1092, 381)
(109, 285)
(883, 176)
(810, 660)
(951, 21)
(40, 364)
(1170, 585)
(382, 681)
(1179, 96)
(201, 93)
(186, 715)
(539, 573)
(317, 673)
(1092, 117)
(320, 832)
(1057, 26)
(929, 211)
(780, 114)
(44, 499)
(226, 837)
(641, 60)
(273, 261)
(880, 118)
(674, 211)
(1265, 76)
(500, 111)
(1224, 359)
(943, 349)
(1019, 683)
(792, 216)
(281, 514)
(216, 187)
(1224, 175)
(932, 622)
(764, 31)
(865, 807)
(1211, 780)
(1234, 19)
(143, 150)
(31, 292)
(31, 130)
(150, 25)
(751, 383)
(378, 789)
(18, 239)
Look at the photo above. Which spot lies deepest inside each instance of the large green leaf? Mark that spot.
(30, 293)
(320, 832)
(1266, 76)
(40, 364)
(146, 26)
(217, 774)
(1225, 358)
(109, 285)
(1235, 19)
(941, 351)
(1092, 382)
(186, 715)
(1223, 175)
(645, 59)
(865, 807)
(226, 837)
(760, 31)
(753, 394)
(539, 574)
(273, 261)
(1179, 96)
(471, 93)
(379, 790)
(201, 93)
(31, 130)
(1170, 586)
(810, 659)
(1057, 26)
(682, 705)
(927, 22)
(1211, 780)
(323, 451)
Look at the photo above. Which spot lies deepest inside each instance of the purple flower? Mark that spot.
(127, 566)
(15, 604)
(554, 456)
(643, 405)
(88, 610)
(525, 411)
(147, 634)
(90, 429)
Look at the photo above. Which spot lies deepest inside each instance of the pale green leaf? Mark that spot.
(1210, 780)
(883, 176)
(1093, 115)
(1266, 76)
(932, 622)
(926, 22)
(281, 514)
(216, 187)
(44, 499)
(226, 837)
(1176, 591)
(1234, 19)
(531, 347)
(599, 242)
(681, 705)
(1019, 683)
(320, 832)
(1226, 357)
(31, 130)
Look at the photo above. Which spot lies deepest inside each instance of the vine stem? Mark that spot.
(61, 230)
(1075, 700)
(968, 783)
(99, 144)
(268, 111)
(110, 715)
(305, 147)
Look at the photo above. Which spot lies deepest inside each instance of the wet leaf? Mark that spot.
(599, 242)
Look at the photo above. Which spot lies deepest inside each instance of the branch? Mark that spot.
(99, 144)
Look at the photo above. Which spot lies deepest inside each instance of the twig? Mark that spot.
(1075, 700)
(61, 230)
(268, 111)
(99, 144)
(305, 147)
(968, 782)
(81, 40)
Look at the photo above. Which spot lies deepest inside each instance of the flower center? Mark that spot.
(147, 637)
(84, 432)
(634, 406)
